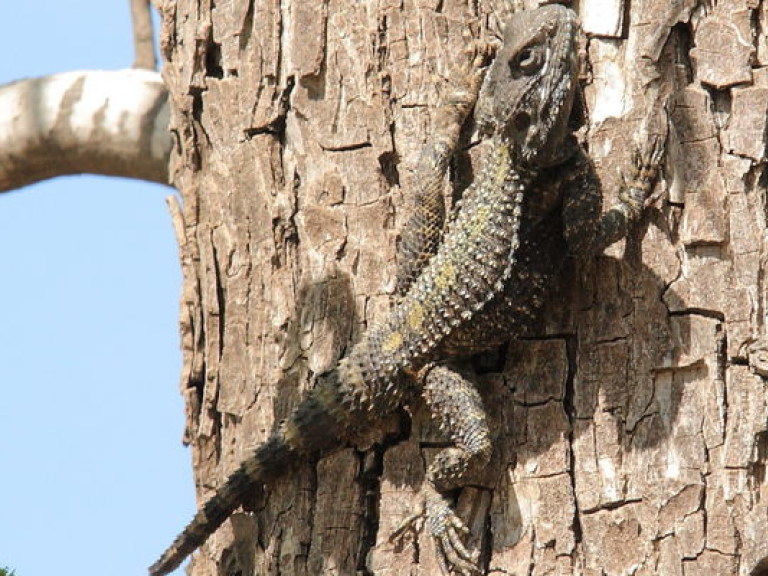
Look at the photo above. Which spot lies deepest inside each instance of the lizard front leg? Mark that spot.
(423, 230)
(587, 232)
(455, 403)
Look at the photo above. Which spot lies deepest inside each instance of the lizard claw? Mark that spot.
(648, 160)
(482, 52)
(413, 524)
(646, 163)
(479, 54)
(447, 531)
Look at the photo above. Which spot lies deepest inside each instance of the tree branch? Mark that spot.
(113, 123)
(142, 35)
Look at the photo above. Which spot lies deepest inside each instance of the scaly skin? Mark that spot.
(452, 281)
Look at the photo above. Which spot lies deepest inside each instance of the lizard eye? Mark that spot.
(529, 60)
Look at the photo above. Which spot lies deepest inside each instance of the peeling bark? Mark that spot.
(630, 434)
(96, 122)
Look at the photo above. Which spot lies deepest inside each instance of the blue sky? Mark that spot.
(94, 477)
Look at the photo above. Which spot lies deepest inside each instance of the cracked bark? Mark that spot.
(630, 433)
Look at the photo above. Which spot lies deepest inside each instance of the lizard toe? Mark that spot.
(449, 533)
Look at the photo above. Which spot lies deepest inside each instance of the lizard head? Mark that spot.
(529, 90)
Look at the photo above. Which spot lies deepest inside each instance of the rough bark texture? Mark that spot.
(630, 437)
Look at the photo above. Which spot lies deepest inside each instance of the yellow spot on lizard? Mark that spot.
(416, 317)
(478, 222)
(445, 276)
(392, 342)
(502, 167)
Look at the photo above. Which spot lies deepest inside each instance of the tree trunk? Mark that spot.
(629, 435)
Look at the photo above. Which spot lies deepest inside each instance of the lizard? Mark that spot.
(464, 286)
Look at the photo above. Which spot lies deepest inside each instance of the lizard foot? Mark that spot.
(447, 531)
(459, 101)
(646, 163)
(480, 54)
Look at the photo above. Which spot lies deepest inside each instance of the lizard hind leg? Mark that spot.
(456, 404)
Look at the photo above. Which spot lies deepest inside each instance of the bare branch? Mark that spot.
(113, 123)
(142, 35)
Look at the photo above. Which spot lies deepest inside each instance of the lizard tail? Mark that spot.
(311, 430)
(216, 510)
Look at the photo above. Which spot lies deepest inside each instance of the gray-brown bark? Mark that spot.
(630, 436)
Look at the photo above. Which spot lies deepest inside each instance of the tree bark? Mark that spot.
(630, 435)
